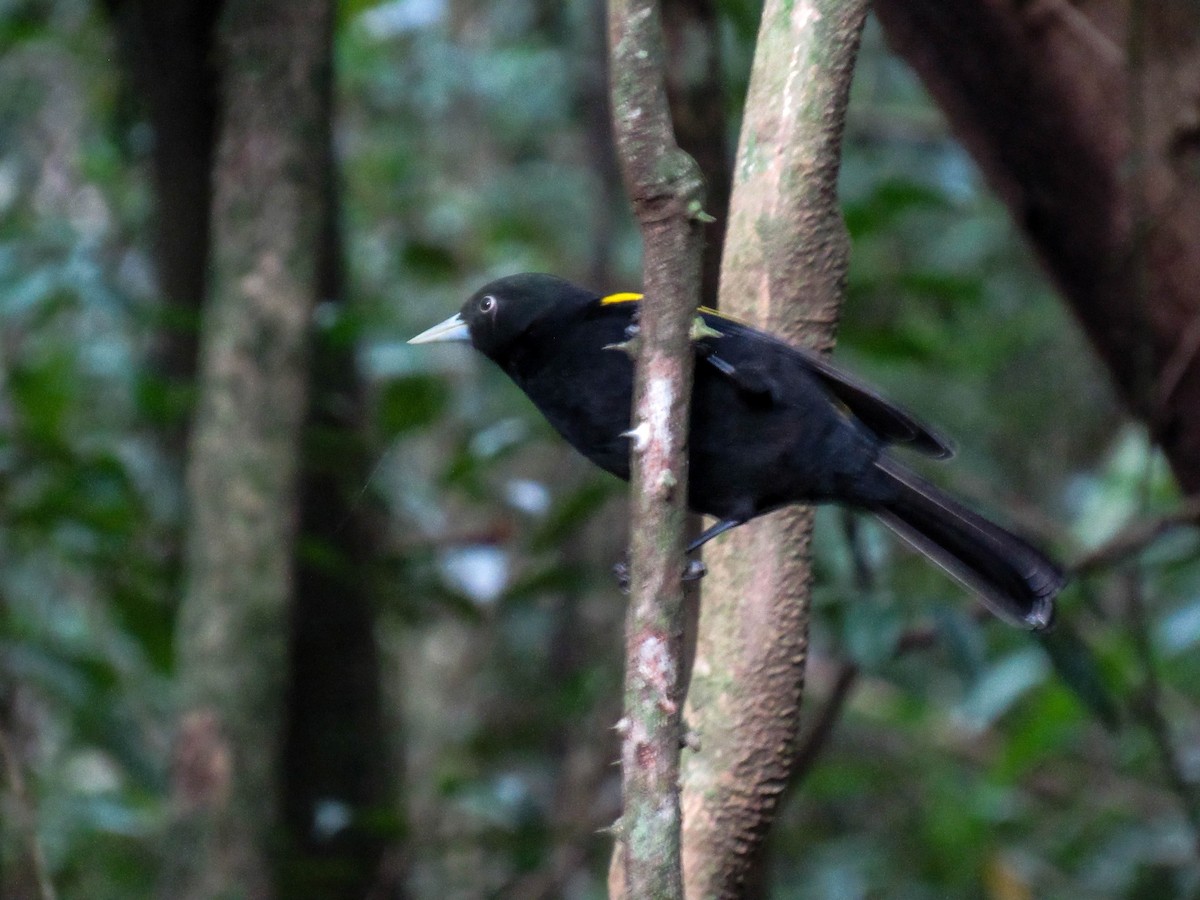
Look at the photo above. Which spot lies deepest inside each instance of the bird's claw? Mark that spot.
(621, 573)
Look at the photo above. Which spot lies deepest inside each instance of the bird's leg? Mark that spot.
(695, 569)
(719, 527)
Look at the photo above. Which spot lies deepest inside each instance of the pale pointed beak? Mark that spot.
(453, 329)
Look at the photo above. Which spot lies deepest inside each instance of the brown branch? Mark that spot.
(1081, 123)
(784, 267)
(1134, 538)
(1147, 707)
(28, 819)
(666, 190)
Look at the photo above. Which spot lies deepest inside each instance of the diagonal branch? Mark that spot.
(1136, 537)
(1082, 122)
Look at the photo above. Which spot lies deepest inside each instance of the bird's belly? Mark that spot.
(748, 459)
(590, 411)
(740, 470)
(745, 457)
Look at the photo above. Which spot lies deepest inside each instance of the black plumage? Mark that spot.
(771, 425)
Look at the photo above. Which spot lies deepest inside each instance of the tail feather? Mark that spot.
(1014, 579)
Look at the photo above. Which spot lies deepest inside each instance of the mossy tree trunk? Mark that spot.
(244, 450)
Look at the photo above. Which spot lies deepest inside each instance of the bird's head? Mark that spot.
(502, 311)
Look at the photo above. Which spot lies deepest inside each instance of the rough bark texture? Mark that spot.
(1083, 118)
(666, 190)
(243, 455)
(695, 94)
(785, 266)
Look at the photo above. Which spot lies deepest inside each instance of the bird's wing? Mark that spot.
(739, 362)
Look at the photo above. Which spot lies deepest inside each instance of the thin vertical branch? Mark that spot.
(784, 267)
(666, 190)
(1148, 702)
(26, 811)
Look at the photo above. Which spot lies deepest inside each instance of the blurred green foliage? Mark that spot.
(977, 763)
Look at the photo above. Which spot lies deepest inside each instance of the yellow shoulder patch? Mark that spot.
(619, 298)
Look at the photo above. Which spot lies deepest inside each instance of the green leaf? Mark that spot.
(411, 403)
(1080, 670)
(871, 630)
(1002, 685)
(962, 638)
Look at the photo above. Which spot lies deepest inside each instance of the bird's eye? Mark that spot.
(487, 304)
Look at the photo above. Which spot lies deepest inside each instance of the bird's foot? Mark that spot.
(621, 573)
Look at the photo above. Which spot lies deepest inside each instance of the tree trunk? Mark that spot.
(666, 190)
(334, 775)
(168, 48)
(1083, 120)
(243, 455)
(786, 257)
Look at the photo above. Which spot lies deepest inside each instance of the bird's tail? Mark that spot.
(1017, 581)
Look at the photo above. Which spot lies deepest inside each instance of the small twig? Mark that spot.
(818, 735)
(1147, 707)
(1120, 549)
(1130, 540)
(921, 637)
(28, 823)
(1135, 538)
(1029, 518)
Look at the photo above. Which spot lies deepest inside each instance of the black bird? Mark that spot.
(771, 425)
